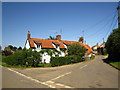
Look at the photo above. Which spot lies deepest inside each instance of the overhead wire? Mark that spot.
(100, 30)
(110, 28)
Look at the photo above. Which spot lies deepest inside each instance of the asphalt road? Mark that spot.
(89, 74)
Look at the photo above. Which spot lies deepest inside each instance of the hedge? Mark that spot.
(21, 57)
(58, 61)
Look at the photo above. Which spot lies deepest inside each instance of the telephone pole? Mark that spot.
(103, 40)
(83, 33)
(118, 8)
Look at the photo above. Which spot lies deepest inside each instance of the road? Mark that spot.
(89, 74)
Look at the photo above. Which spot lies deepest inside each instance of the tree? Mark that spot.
(76, 49)
(52, 38)
(14, 48)
(0, 49)
(11, 47)
(20, 48)
(20, 57)
(113, 45)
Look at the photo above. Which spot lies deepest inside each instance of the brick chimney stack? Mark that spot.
(97, 44)
(81, 39)
(58, 37)
(28, 35)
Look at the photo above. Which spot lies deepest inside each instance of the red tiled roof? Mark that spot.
(56, 43)
(69, 42)
(102, 44)
(37, 41)
(46, 43)
(31, 43)
(89, 49)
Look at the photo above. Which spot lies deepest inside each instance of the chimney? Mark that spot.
(58, 37)
(81, 39)
(97, 44)
(28, 35)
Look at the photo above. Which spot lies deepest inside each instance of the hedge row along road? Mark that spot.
(90, 74)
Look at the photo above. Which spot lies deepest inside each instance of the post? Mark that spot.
(103, 40)
(118, 15)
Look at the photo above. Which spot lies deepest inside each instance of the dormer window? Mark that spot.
(57, 44)
(38, 45)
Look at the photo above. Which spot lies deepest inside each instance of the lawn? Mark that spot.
(115, 64)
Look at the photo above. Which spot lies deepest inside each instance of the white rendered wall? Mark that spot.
(95, 48)
(65, 46)
(27, 45)
(54, 45)
(62, 54)
(37, 49)
(46, 58)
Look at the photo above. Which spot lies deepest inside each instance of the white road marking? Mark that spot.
(60, 76)
(50, 84)
(50, 81)
(57, 85)
(83, 66)
(60, 84)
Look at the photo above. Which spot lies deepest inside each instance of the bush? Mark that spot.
(76, 49)
(58, 61)
(21, 57)
(113, 45)
(105, 52)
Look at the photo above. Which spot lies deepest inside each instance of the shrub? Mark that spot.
(21, 57)
(58, 61)
(76, 49)
(113, 45)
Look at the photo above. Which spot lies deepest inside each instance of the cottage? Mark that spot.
(98, 49)
(58, 44)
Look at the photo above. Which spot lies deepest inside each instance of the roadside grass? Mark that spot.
(18, 66)
(44, 65)
(115, 64)
(105, 55)
(6, 65)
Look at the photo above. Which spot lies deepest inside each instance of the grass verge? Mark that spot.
(115, 64)
(18, 66)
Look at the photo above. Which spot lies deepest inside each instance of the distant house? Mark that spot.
(101, 48)
(58, 44)
(94, 48)
(7, 51)
(98, 49)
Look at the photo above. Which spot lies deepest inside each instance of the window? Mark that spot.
(38, 45)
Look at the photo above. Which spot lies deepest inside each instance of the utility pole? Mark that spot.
(118, 8)
(83, 33)
(61, 31)
(103, 40)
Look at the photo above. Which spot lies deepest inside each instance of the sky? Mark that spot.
(92, 20)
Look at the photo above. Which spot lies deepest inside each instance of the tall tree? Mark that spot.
(11, 47)
(20, 48)
(76, 49)
(113, 45)
(14, 48)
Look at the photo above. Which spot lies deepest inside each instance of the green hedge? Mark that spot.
(58, 61)
(21, 57)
